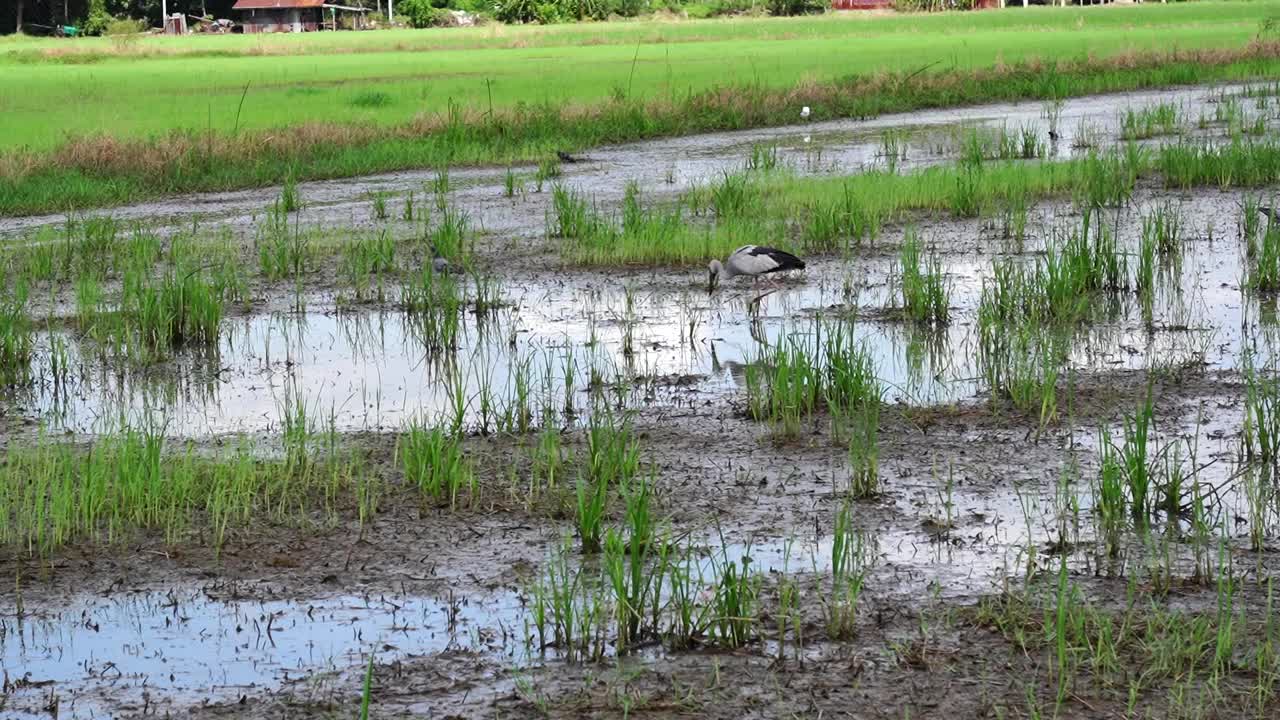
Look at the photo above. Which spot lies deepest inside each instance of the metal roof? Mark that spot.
(271, 4)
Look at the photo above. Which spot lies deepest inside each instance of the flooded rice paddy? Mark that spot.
(358, 581)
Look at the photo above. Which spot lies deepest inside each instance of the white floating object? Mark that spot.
(806, 138)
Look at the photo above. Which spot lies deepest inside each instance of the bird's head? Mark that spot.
(713, 275)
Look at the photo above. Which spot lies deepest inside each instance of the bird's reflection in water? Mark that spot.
(737, 370)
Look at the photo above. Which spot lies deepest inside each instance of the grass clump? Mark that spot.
(613, 459)
(852, 555)
(828, 371)
(433, 303)
(15, 335)
(55, 494)
(1260, 434)
(184, 308)
(1241, 163)
(1080, 267)
(1148, 122)
(924, 291)
(433, 461)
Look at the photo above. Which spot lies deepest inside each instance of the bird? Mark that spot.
(566, 157)
(439, 263)
(753, 260)
(1053, 135)
(1272, 215)
(804, 113)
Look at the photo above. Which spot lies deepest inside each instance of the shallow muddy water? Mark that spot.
(971, 498)
(650, 337)
(155, 652)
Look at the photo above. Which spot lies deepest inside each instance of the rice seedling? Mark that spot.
(282, 252)
(1025, 144)
(367, 694)
(735, 597)
(53, 494)
(763, 157)
(1163, 227)
(181, 308)
(925, 292)
(636, 566)
(1109, 502)
(433, 461)
(731, 197)
(794, 379)
(1079, 266)
(613, 457)
(547, 170)
(1260, 432)
(1134, 460)
(570, 610)
(15, 335)
(449, 236)
(548, 458)
(1021, 362)
(852, 555)
(289, 200)
(407, 214)
(1013, 217)
(976, 145)
(573, 219)
(433, 304)
(863, 423)
(645, 233)
(1148, 122)
(893, 148)
(1085, 137)
(1237, 164)
(440, 187)
(380, 205)
(1052, 113)
(789, 618)
(965, 200)
(365, 264)
(1145, 278)
(511, 184)
(1250, 223)
(835, 226)
(1107, 180)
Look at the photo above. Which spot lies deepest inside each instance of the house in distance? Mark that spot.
(266, 16)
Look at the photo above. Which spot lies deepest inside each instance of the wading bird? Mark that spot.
(566, 157)
(753, 260)
(1271, 214)
(804, 113)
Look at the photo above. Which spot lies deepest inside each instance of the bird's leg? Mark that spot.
(754, 305)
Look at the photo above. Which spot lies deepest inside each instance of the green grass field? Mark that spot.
(96, 122)
(52, 89)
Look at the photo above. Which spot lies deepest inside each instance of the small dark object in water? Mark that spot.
(566, 157)
(1053, 136)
